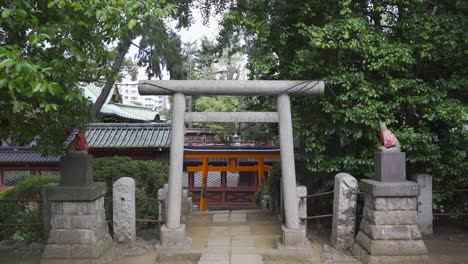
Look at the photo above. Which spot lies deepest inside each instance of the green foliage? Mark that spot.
(48, 47)
(403, 62)
(149, 176)
(272, 186)
(23, 212)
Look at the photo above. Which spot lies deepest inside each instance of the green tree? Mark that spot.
(47, 48)
(403, 62)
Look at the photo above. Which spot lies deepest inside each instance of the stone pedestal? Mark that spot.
(389, 230)
(78, 227)
(174, 238)
(293, 238)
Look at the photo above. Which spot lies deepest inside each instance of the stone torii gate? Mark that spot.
(173, 232)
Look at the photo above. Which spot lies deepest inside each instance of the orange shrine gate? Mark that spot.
(227, 177)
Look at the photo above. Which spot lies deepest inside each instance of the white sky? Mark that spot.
(194, 33)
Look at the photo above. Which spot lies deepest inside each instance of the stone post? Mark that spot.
(425, 216)
(173, 232)
(294, 234)
(123, 204)
(162, 203)
(302, 203)
(78, 227)
(344, 211)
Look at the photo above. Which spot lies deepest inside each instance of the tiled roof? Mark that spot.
(13, 155)
(128, 135)
(132, 112)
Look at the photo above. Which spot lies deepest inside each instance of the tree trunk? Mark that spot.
(122, 51)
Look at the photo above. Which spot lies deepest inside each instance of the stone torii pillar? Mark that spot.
(173, 232)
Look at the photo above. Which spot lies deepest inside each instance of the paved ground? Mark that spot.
(250, 237)
(231, 237)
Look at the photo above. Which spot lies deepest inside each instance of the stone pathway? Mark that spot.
(234, 237)
(229, 232)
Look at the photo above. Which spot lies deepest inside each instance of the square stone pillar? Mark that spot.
(389, 230)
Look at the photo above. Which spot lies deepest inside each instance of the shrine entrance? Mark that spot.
(173, 232)
(227, 177)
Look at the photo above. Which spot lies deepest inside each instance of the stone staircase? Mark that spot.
(234, 237)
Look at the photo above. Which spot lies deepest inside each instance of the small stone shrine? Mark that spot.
(389, 230)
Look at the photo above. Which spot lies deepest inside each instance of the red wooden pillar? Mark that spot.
(261, 172)
(204, 184)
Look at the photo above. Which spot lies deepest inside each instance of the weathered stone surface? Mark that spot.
(91, 251)
(293, 238)
(425, 216)
(79, 233)
(391, 203)
(238, 217)
(211, 258)
(86, 221)
(390, 167)
(344, 211)
(124, 214)
(362, 255)
(391, 247)
(162, 203)
(302, 202)
(217, 243)
(220, 218)
(173, 237)
(390, 189)
(394, 217)
(57, 251)
(61, 221)
(246, 259)
(390, 232)
(86, 193)
(243, 243)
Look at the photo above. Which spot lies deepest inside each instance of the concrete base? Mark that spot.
(174, 238)
(293, 238)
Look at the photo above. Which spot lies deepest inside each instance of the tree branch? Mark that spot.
(122, 51)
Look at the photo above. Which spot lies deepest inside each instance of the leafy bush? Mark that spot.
(272, 186)
(149, 176)
(23, 212)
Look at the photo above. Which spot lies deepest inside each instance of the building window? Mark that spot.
(133, 98)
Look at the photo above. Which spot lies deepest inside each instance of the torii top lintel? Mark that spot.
(230, 87)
